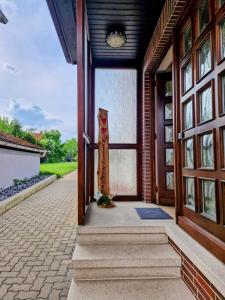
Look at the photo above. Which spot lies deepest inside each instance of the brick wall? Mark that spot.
(195, 280)
(147, 138)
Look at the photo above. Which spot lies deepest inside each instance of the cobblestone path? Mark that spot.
(37, 239)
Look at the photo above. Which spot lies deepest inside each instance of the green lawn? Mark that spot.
(59, 169)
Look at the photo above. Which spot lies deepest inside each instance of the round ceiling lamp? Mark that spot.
(115, 39)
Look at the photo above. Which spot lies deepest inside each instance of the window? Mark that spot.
(222, 39)
(169, 180)
(204, 54)
(188, 114)
(222, 93)
(168, 111)
(221, 2)
(187, 77)
(203, 15)
(190, 192)
(187, 39)
(209, 198)
(189, 153)
(169, 157)
(207, 151)
(205, 105)
(168, 134)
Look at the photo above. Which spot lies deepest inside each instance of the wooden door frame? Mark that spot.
(123, 146)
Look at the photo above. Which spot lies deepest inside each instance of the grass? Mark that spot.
(58, 169)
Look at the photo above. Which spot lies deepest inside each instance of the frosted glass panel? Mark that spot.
(116, 91)
(122, 171)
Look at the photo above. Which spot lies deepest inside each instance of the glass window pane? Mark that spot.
(122, 172)
(168, 88)
(224, 148)
(190, 192)
(187, 77)
(168, 111)
(189, 153)
(223, 93)
(116, 91)
(206, 111)
(204, 59)
(222, 39)
(169, 157)
(169, 180)
(188, 115)
(207, 151)
(187, 39)
(209, 198)
(169, 134)
(203, 15)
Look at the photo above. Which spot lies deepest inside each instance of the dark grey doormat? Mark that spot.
(152, 213)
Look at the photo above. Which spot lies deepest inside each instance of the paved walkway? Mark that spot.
(37, 239)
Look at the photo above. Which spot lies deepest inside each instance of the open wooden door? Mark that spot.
(164, 140)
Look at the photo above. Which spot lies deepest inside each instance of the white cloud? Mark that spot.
(10, 68)
(31, 115)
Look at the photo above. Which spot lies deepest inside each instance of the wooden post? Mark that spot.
(80, 110)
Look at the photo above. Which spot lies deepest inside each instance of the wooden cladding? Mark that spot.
(162, 34)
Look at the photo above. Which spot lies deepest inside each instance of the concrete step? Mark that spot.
(125, 235)
(125, 261)
(165, 289)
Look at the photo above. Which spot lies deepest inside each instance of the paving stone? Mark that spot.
(37, 238)
(27, 295)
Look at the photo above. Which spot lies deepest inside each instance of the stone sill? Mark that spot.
(10, 202)
(211, 267)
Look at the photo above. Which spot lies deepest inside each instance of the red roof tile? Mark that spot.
(8, 138)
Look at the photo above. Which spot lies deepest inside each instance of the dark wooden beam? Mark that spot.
(80, 110)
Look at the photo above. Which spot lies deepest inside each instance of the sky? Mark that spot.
(37, 85)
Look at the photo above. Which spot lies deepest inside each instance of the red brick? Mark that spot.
(205, 286)
(190, 284)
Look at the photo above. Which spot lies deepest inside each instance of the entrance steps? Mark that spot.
(126, 263)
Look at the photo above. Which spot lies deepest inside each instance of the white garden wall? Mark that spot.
(17, 165)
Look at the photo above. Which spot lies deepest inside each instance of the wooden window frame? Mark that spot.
(190, 99)
(203, 40)
(198, 110)
(199, 152)
(194, 209)
(194, 153)
(196, 20)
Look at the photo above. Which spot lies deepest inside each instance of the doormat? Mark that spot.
(152, 213)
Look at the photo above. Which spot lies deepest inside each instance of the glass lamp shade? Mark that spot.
(116, 39)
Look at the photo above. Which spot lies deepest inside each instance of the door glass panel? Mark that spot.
(203, 15)
(222, 39)
(187, 39)
(223, 148)
(170, 180)
(169, 157)
(168, 88)
(116, 91)
(122, 171)
(205, 98)
(190, 192)
(223, 93)
(188, 115)
(187, 77)
(168, 111)
(207, 153)
(168, 134)
(209, 198)
(189, 153)
(221, 2)
(204, 59)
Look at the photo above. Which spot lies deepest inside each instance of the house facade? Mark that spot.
(19, 159)
(168, 133)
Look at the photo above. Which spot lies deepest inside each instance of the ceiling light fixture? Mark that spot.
(115, 39)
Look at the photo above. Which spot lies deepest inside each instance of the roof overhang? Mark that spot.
(23, 148)
(63, 13)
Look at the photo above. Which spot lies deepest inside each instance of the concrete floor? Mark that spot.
(124, 214)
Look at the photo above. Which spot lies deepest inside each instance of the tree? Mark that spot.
(70, 149)
(51, 141)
